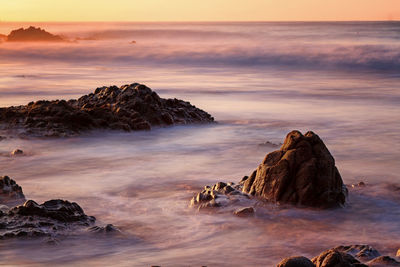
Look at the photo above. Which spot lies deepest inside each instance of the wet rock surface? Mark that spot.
(302, 172)
(219, 195)
(296, 262)
(130, 107)
(49, 219)
(10, 192)
(345, 256)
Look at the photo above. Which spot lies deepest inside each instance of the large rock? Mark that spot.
(130, 107)
(10, 192)
(302, 172)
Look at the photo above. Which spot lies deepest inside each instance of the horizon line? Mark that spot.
(189, 21)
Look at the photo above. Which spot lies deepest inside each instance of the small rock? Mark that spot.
(245, 212)
(398, 253)
(17, 152)
(296, 262)
(10, 192)
(360, 184)
(333, 258)
(383, 261)
(103, 229)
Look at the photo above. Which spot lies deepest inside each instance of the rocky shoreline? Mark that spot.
(130, 108)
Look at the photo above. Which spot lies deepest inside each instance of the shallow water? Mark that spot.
(259, 81)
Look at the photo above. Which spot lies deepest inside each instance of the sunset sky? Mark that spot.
(195, 10)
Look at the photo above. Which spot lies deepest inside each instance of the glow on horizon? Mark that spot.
(195, 10)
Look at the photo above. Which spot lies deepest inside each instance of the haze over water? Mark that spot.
(259, 81)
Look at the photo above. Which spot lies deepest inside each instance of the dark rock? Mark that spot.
(245, 212)
(48, 219)
(128, 108)
(109, 228)
(302, 172)
(334, 258)
(383, 261)
(2, 138)
(32, 34)
(10, 192)
(17, 152)
(296, 262)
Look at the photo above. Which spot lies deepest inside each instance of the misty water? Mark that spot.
(259, 81)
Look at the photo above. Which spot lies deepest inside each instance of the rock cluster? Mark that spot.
(10, 192)
(343, 256)
(50, 219)
(302, 172)
(130, 107)
(33, 34)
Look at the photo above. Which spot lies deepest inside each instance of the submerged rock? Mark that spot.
(347, 256)
(245, 212)
(17, 152)
(302, 172)
(10, 192)
(130, 107)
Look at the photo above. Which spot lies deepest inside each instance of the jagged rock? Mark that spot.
(17, 152)
(296, 262)
(51, 218)
(245, 212)
(10, 192)
(221, 194)
(130, 107)
(383, 261)
(361, 252)
(32, 34)
(302, 172)
(333, 258)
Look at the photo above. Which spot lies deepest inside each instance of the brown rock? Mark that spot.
(302, 172)
(296, 262)
(245, 212)
(334, 258)
(383, 261)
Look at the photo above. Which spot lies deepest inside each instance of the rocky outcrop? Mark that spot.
(10, 192)
(33, 34)
(344, 256)
(130, 107)
(219, 195)
(49, 219)
(302, 172)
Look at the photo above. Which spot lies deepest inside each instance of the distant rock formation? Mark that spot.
(33, 34)
(130, 107)
(343, 256)
(302, 172)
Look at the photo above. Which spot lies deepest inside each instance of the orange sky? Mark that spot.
(198, 10)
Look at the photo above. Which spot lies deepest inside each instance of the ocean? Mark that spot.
(259, 80)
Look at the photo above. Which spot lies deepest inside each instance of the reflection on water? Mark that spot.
(142, 182)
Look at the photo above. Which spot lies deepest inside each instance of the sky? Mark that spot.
(198, 10)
